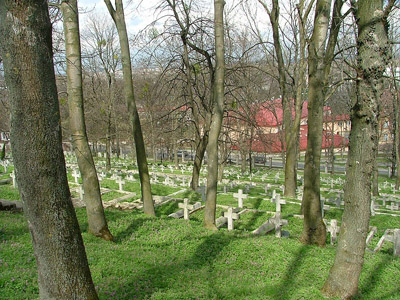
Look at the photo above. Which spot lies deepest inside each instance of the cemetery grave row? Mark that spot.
(258, 195)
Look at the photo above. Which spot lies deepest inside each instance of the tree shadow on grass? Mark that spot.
(373, 279)
(166, 209)
(291, 274)
(163, 276)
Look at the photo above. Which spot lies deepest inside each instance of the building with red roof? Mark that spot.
(267, 123)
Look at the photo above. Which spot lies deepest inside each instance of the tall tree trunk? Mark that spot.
(198, 160)
(26, 48)
(119, 19)
(216, 120)
(290, 144)
(319, 62)
(373, 57)
(92, 196)
(375, 171)
(396, 127)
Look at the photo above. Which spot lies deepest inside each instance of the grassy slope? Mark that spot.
(174, 259)
(165, 258)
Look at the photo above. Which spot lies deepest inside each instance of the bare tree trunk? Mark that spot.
(216, 121)
(119, 19)
(198, 160)
(92, 196)
(396, 128)
(373, 57)
(319, 61)
(108, 147)
(243, 156)
(289, 131)
(63, 271)
(375, 171)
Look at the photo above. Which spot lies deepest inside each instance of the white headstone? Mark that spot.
(230, 215)
(186, 206)
(333, 229)
(240, 196)
(76, 175)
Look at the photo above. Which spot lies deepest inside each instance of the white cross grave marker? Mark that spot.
(240, 196)
(230, 215)
(278, 202)
(12, 175)
(76, 175)
(333, 229)
(186, 206)
(120, 184)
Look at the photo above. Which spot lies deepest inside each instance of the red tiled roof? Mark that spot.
(271, 143)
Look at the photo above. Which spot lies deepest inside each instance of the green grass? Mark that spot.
(8, 192)
(165, 258)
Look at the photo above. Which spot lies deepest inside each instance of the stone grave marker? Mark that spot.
(5, 164)
(393, 236)
(247, 189)
(393, 206)
(279, 222)
(273, 195)
(180, 213)
(333, 229)
(120, 184)
(372, 207)
(371, 234)
(322, 200)
(278, 202)
(276, 177)
(186, 207)
(12, 175)
(76, 175)
(231, 215)
(266, 188)
(240, 196)
(202, 191)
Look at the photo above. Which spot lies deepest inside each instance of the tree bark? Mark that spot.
(26, 48)
(216, 120)
(373, 57)
(92, 196)
(319, 61)
(290, 128)
(119, 19)
(198, 159)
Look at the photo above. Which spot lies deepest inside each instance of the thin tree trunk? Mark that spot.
(289, 144)
(63, 271)
(396, 128)
(119, 19)
(373, 57)
(216, 121)
(92, 196)
(375, 172)
(319, 61)
(198, 160)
